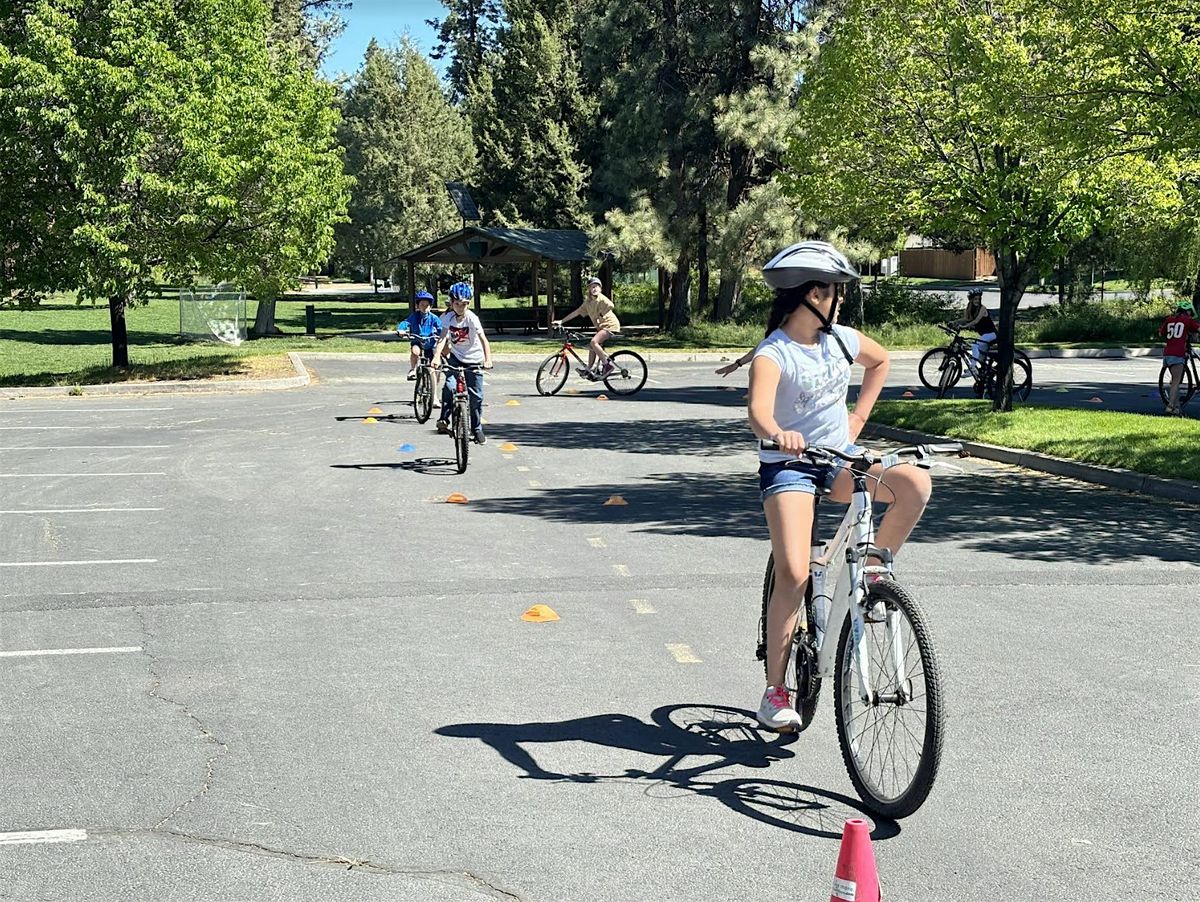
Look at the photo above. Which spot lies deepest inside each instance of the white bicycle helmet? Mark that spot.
(808, 261)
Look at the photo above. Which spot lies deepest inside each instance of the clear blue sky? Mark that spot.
(386, 21)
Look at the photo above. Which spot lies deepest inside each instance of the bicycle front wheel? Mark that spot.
(930, 368)
(552, 374)
(891, 741)
(950, 373)
(423, 395)
(1022, 375)
(801, 677)
(462, 442)
(628, 374)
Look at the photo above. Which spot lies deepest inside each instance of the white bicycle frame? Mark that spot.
(853, 542)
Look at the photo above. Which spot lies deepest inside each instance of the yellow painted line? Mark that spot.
(597, 542)
(533, 483)
(641, 606)
(522, 469)
(621, 569)
(683, 654)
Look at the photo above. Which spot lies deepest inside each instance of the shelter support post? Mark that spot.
(550, 294)
(412, 285)
(477, 285)
(534, 290)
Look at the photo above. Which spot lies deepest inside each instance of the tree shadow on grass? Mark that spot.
(199, 366)
(1023, 515)
(705, 748)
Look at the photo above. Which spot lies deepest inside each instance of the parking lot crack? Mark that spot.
(479, 883)
(155, 691)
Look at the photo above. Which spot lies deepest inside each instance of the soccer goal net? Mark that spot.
(215, 313)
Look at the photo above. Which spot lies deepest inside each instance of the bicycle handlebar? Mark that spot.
(818, 454)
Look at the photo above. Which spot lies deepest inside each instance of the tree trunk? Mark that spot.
(729, 294)
(662, 297)
(702, 256)
(680, 313)
(264, 318)
(120, 333)
(1013, 275)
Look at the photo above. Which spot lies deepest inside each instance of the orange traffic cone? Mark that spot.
(856, 879)
(908, 394)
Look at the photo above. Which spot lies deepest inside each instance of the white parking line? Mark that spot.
(597, 542)
(19, 411)
(42, 836)
(641, 606)
(137, 560)
(87, 510)
(77, 447)
(31, 475)
(38, 428)
(42, 652)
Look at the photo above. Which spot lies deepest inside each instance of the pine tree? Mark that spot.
(403, 141)
(527, 108)
(466, 33)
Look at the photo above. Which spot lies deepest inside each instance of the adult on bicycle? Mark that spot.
(602, 312)
(462, 333)
(978, 319)
(799, 380)
(422, 328)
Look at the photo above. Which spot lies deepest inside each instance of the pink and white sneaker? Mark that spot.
(775, 711)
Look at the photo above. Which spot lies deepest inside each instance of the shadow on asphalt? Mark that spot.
(430, 466)
(695, 741)
(1023, 515)
(697, 437)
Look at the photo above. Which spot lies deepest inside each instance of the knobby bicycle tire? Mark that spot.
(462, 443)
(423, 395)
(552, 374)
(806, 707)
(932, 358)
(927, 691)
(948, 376)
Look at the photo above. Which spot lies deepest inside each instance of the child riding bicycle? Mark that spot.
(980, 320)
(1178, 328)
(462, 333)
(601, 310)
(423, 329)
(799, 380)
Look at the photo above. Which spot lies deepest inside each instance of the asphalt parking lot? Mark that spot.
(249, 652)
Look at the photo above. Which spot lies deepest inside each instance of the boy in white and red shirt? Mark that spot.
(462, 334)
(1178, 328)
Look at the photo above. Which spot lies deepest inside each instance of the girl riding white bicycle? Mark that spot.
(799, 381)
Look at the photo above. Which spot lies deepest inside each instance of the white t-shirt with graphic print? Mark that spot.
(813, 383)
(465, 343)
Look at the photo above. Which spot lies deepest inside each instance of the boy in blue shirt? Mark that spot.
(422, 328)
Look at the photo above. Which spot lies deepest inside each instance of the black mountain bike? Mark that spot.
(942, 368)
(1187, 385)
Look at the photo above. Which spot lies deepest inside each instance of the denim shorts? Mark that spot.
(1172, 360)
(774, 478)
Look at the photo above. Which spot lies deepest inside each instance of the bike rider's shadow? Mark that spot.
(716, 737)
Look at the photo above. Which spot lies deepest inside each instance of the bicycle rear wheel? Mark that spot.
(552, 374)
(1187, 387)
(801, 677)
(892, 742)
(423, 395)
(951, 372)
(462, 442)
(1022, 375)
(628, 374)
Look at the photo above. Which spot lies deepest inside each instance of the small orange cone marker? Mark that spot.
(856, 879)
(1095, 400)
(508, 447)
(512, 402)
(572, 391)
(540, 613)
(456, 498)
(615, 501)
(375, 410)
(908, 394)
(601, 397)
(370, 420)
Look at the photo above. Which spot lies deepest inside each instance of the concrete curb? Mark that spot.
(1111, 477)
(169, 387)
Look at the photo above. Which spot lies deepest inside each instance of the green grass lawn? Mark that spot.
(1160, 446)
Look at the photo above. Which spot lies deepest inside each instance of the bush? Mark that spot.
(1122, 320)
(891, 301)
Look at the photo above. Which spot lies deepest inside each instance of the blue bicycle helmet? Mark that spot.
(461, 291)
(424, 296)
